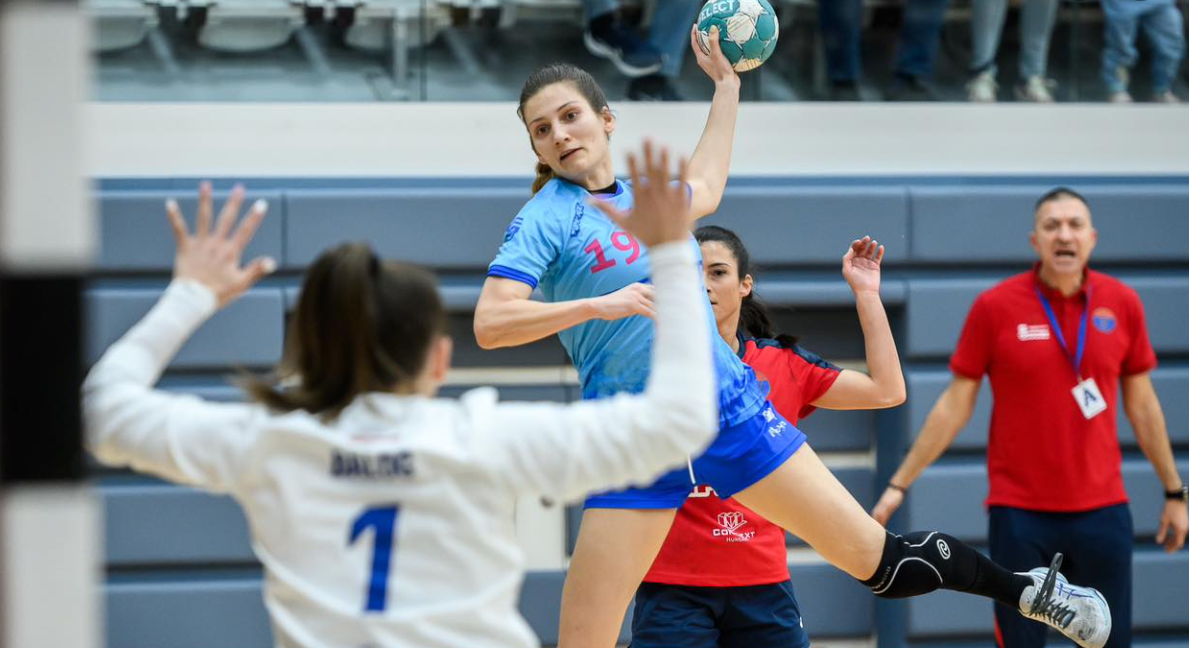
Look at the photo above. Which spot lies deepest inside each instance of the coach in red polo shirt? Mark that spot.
(1057, 343)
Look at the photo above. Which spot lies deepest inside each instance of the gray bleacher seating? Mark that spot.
(394, 27)
(248, 25)
(184, 612)
(964, 224)
(120, 24)
(469, 224)
(134, 235)
(150, 523)
(177, 560)
(380, 25)
(812, 225)
(247, 333)
(936, 311)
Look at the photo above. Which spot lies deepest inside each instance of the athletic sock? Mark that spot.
(924, 561)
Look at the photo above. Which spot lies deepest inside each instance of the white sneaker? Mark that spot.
(982, 89)
(1123, 76)
(1079, 613)
(1036, 89)
(1167, 97)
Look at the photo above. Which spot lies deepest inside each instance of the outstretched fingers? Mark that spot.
(230, 212)
(634, 170)
(255, 271)
(203, 225)
(865, 248)
(248, 226)
(658, 164)
(647, 164)
(177, 222)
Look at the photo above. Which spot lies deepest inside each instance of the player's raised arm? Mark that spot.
(570, 450)
(711, 161)
(884, 385)
(181, 438)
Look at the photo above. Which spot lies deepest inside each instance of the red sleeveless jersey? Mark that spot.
(721, 543)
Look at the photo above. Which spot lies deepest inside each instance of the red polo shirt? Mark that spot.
(1042, 453)
(721, 543)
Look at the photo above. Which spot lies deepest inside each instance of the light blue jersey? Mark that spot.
(571, 250)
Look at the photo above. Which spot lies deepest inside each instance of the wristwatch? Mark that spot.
(1180, 494)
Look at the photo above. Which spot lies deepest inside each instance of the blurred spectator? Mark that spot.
(1161, 21)
(840, 21)
(1037, 18)
(652, 64)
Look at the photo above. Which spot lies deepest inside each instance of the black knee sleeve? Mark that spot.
(918, 563)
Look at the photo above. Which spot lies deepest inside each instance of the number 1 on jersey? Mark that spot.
(596, 248)
(383, 520)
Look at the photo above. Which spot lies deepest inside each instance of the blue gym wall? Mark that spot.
(180, 573)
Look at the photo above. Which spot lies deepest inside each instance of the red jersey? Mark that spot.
(1040, 442)
(721, 543)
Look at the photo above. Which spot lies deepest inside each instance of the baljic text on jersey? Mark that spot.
(350, 465)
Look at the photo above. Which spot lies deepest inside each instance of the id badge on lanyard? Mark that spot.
(1086, 393)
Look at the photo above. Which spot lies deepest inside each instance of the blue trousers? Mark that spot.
(1162, 24)
(1097, 545)
(1037, 18)
(840, 23)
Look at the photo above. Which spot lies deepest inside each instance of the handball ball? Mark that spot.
(747, 30)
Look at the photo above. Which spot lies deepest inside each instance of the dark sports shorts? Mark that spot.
(740, 456)
(766, 616)
(1098, 549)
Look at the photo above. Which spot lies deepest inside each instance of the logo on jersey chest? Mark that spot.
(1104, 319)
(576, 224)
(730, 523)
(1032, 332)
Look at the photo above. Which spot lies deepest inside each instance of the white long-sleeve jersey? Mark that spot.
(392, 525)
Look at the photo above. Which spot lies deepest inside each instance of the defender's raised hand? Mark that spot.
(661, 210)
(861, 264)
(212, 256)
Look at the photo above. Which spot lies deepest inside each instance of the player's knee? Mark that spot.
(911, 565)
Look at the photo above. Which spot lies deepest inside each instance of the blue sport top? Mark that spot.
(571, 250)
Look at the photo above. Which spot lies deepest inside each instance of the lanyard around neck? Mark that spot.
(1075, 360)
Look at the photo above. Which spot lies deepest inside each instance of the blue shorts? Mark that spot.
(717, 617)
(740, 456)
